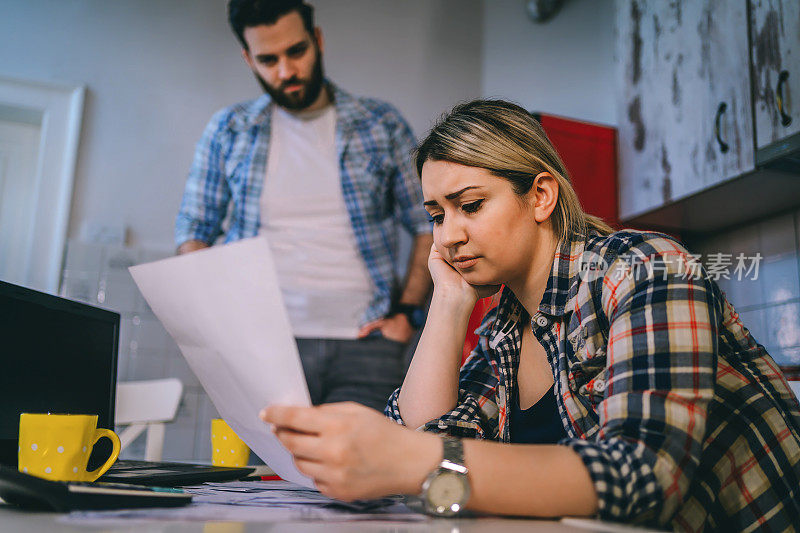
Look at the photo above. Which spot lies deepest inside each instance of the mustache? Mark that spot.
(293, 81)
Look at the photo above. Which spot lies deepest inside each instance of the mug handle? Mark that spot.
(99, 434)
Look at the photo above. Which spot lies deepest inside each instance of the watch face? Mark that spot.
(447, 492)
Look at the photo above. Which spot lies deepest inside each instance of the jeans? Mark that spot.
(365, 370)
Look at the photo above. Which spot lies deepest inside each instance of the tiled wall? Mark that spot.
(769, 306)
(98, 275)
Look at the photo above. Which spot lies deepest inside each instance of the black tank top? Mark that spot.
(539, 424)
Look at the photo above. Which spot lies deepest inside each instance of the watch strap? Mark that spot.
(453, 451)
(414, 313)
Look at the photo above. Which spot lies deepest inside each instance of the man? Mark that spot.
(327, 177)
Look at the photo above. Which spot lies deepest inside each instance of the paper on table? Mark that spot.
(261, 501)
(224, 309)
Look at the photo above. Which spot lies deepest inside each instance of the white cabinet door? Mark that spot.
(776, 68)
(685, 123)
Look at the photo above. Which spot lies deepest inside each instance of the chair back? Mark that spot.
(148, 401)
(147, 405)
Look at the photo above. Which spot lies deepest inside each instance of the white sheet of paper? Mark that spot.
(224, 309)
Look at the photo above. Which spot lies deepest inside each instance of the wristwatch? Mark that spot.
(446, 490)
(414, 313)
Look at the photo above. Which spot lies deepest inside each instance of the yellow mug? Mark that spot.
(227, 449)
(57, 447)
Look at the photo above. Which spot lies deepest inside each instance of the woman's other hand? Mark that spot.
(353, 452)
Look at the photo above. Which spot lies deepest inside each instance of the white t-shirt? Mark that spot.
(323, 278)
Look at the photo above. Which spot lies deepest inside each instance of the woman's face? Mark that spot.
(480, 225)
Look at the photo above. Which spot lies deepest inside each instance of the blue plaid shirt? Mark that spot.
(379, 183)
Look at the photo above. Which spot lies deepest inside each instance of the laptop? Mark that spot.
(60, 356)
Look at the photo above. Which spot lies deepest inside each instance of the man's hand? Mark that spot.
(191, 246)
(353, 452)
(395, 328)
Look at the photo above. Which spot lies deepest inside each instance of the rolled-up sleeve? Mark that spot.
(206, 195)
(659, 379)
(476, 411)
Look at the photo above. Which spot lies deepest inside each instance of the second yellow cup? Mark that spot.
(227, 449)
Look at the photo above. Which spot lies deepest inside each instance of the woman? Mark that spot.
(624, 380)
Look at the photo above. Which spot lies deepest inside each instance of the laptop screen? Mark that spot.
(57, 356)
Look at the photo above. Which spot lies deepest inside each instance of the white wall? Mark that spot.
(563, 67)
(157, 69)
(421, 55)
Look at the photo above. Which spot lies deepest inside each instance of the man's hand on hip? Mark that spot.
(191, 246)
(395, 328)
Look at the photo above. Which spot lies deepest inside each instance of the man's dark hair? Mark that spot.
(248, 13)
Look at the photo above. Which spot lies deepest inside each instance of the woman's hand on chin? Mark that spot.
(353, 452)
(447, 281)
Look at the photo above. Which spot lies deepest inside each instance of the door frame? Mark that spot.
(61, 108)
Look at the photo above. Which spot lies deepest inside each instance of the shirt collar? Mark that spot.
(564, 275)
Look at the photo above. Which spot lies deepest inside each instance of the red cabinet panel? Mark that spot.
(590, 153)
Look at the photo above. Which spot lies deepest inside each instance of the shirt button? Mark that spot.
(541, 321)
(599, 385)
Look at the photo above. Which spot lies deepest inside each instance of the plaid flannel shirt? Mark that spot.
(378, 179)
(681, 418)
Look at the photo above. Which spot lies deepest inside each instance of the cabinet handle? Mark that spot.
(723, 146)
(782, 77)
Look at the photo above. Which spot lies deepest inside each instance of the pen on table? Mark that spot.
(261, 478)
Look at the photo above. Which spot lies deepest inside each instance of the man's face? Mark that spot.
(287, 61)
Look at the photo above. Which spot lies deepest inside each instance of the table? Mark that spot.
(13, 520)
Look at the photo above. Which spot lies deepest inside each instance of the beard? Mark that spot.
(301, 99)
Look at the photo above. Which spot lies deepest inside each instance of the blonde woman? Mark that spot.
(613, 378)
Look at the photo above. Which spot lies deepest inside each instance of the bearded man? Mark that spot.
(327, 176)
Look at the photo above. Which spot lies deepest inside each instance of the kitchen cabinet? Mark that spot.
(775, 55)
(685, 117)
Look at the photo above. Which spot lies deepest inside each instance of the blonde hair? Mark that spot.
(510, 143)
